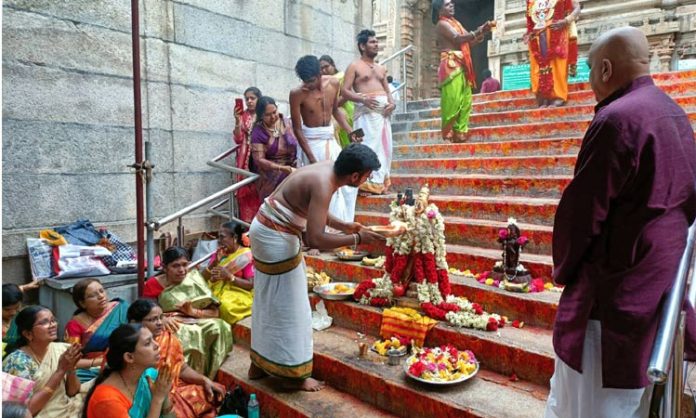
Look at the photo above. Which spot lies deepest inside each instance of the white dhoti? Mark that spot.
(324, 146)
(281, 317)
(378, 136)
(581, 395)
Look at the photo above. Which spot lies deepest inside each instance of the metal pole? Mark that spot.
(180, 233)
(403, 72)
(658, 367)
(148, 216)
(678, 369)
(139, 215)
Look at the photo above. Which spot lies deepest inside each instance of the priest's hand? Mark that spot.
(370, 237)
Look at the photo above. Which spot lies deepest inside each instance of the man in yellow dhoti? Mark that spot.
(456, 75)
(548, 36)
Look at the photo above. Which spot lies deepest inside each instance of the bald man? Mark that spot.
(619, 233)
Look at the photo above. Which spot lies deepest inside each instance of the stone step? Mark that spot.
(275, 401)
(548, 146)
(674, 77)
(483, 185)
(521, 115)
(575, 98)
(540, 211)
(513, 166)
(374, 382)
(507, 132)
(500, 133)
(477, 232)
(478, 259)
(538, 309)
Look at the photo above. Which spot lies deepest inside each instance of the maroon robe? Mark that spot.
(620, 230)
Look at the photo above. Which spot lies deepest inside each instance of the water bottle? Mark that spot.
(253, 407)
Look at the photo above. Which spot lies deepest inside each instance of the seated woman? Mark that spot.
(129, 386)
(273, 147)
(193, 395)
(206, 338)
(49, 364)
(11, 303)
(231, 273)
(94, 320)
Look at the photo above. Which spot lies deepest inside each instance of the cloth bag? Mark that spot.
(15, 388)
(405, 322)
(120, 251)
(79, 261)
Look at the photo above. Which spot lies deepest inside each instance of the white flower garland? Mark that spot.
(467, 317)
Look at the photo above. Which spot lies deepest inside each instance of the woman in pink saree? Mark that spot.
(247, 196)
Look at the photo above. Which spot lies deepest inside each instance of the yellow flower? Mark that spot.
(489, 281)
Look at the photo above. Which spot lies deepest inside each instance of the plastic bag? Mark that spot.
(79, 261)
(320, 318)
(39, 258)
(204, 248)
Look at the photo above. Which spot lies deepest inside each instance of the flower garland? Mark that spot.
(421, 253)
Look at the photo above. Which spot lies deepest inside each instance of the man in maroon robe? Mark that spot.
(619, 233)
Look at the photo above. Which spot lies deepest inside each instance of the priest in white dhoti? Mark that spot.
(281, 318)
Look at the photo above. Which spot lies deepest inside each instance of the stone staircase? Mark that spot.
(516, 164)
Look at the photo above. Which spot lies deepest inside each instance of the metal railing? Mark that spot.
(666, 368)
(220, 198)
(404, 76)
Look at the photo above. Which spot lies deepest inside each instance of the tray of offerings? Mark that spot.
(336, 291)
(348, 254)
(394, 229)
(442, 366)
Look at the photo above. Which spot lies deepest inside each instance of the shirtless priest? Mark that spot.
(281, 331)
(311, 106)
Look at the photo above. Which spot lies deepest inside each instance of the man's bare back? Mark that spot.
(307, 183)
(316, 106)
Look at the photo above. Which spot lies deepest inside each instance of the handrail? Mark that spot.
(397, 53)
(188, 209)
(195, 263)
(658, 367)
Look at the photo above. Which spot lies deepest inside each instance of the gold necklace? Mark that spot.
(126, 385)
(32, 354)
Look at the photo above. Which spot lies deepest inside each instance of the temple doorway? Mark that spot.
(471, 14)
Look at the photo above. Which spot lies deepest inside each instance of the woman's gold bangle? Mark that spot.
(48, 389)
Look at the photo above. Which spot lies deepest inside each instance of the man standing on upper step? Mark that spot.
(550, 26)
(311, 106)
(366, 85)
(456, 76)
(619, 233)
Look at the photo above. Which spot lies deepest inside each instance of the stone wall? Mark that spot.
(68, 100)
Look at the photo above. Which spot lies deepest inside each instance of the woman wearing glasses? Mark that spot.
(50, 365)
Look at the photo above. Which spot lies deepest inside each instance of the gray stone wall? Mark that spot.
(68, 100)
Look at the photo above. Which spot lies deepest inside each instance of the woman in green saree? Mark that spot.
(206, 338)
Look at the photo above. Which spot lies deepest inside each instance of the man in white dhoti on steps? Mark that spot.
(366, 85)
(281, 330)
(311, 106)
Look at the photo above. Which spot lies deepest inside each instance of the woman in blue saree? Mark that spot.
(129, 386)
(92, 324)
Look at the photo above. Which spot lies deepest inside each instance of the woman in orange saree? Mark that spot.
(192, 395)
